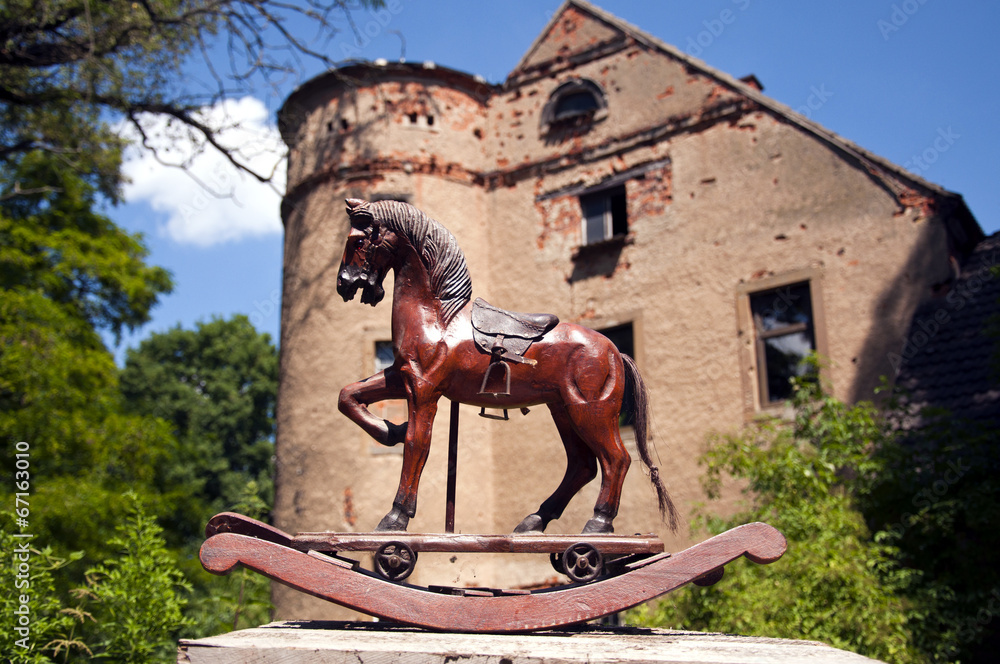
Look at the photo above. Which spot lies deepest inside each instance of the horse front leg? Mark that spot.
(417, 444)
(356, 397)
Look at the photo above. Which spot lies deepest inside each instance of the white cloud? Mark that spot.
(219, 203)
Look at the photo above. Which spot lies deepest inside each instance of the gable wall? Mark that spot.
(732, 200)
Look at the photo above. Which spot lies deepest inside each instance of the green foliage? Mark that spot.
(52, 242)
(135, 594)
(835, 584)
(129, 612)
(59, 393)
(937, 502)
(41, 628)
(891, 532)
(216, 385)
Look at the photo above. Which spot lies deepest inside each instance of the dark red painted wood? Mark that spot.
(566, 605)
(576, 372)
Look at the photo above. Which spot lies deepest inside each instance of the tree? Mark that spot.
(53, 242)
(70, 70)
(892, 532)
(130, 609)
(65, 272)
(937, 503)
(836, 583)
(136, 595)
(51, 624)
(216, 385)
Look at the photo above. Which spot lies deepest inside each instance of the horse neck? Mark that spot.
(413, 299)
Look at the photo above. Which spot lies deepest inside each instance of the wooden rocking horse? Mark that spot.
(575, 371)
(478, 354)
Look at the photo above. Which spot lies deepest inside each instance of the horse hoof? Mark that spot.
(532, 523)
(396, 434)
(598, 525)
(394, 521)
(393, 435)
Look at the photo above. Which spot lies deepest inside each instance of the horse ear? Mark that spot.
(355, 204)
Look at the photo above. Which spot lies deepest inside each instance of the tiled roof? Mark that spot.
(951, 359)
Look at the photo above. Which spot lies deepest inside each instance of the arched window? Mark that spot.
(575, 103)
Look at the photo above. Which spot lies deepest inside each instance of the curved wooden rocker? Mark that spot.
(339, 581)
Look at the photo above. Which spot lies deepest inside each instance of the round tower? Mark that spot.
(403, 131)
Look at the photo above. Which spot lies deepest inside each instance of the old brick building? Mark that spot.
(714, 233)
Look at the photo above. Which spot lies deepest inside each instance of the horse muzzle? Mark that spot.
(350, 280)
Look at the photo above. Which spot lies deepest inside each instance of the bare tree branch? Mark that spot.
(65, 69)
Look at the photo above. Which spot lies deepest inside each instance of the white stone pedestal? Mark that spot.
(311, 642)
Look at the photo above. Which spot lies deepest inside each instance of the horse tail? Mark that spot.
(639, 409)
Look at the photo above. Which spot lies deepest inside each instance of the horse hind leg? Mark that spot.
(597, 424)
(581, 468)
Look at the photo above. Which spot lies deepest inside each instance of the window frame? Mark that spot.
(607, 195)
(551, 120)
(752, 357)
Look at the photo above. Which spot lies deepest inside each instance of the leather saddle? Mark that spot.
(506, 336)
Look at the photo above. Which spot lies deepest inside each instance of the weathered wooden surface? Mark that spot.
(457, 543)
(231, 522)
(494, 612)
(376, 643)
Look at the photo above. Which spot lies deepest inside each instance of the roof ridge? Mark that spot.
(864, 156)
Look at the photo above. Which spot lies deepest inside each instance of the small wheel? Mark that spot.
(395, 561)
(582, 562)
(710, 578)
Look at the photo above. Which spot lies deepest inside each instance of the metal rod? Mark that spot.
(449, 508)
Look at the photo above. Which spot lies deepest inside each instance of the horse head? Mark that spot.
(367, 255)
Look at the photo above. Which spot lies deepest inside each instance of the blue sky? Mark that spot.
(914, 81)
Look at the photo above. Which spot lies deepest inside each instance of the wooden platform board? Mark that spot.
(457, 543)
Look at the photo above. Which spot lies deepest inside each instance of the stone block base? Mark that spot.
(309, 642)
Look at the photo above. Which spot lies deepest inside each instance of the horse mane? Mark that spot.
(437, 248)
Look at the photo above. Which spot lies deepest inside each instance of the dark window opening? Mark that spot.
(785, 336)
(344, 124)
(402, 198)
(605, 215)
(384, 355)
(329, 126)
(430, 120)
(575, 104)
(624, 340)
(413, 118)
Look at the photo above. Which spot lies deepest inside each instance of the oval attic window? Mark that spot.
(574, 103)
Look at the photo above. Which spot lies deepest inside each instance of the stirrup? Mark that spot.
(491, 416)
(486, 379)
(502, 418)
(506, 378)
